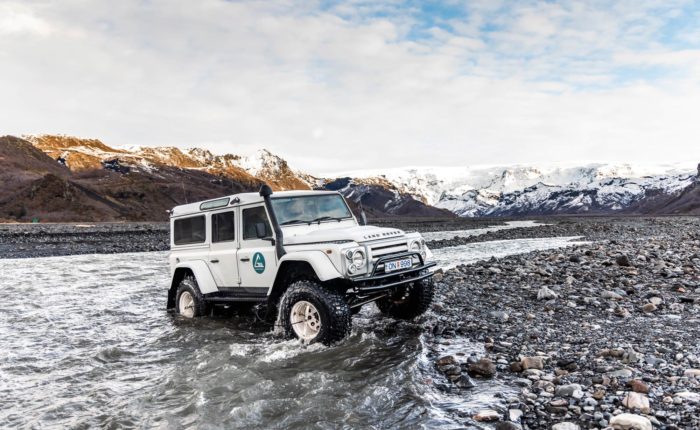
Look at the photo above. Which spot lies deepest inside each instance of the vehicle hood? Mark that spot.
(305, 235)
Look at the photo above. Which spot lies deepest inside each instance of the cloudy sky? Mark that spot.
(359, 84)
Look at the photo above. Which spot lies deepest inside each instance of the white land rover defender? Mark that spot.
(302, 253)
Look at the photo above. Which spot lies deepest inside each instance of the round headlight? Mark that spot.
(416, 246)
(352, 269)
(358, 258)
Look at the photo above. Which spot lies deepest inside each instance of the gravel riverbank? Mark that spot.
(46, 240)
(604, 334)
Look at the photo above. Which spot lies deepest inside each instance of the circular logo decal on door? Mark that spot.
(258, 262)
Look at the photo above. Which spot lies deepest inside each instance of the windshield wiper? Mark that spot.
(292, 221)
(325, 218)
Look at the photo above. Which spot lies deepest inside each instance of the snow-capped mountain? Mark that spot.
(121, 177)
(531, 190)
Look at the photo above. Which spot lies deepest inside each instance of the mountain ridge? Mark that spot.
(75, 175)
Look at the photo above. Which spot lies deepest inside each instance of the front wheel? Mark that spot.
(409, 302)
(312, 313)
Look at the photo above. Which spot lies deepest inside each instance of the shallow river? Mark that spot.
(85, 341)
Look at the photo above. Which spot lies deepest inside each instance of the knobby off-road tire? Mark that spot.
(416, 300)
(329, 308)
(189, 302)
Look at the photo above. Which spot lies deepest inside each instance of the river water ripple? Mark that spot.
(85, 342)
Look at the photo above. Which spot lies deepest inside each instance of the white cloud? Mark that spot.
(17, 19)
(338, 89)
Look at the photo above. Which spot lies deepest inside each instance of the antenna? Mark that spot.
(184, 192)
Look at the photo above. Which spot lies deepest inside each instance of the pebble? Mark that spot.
(546, 294)
(487, 415)
(648, 307)
(483, 368)
(566, 426)
(638, 386)
(571, 390)
(532, 363)
(692, 373)
(611, 295)
(630, 422)
(635, 400)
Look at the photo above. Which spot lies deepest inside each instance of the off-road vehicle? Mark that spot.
(302, 253)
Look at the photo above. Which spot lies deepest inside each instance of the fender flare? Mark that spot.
(202, 274)
(318, 260)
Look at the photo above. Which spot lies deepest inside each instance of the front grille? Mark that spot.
(383, 249)
(382, 252)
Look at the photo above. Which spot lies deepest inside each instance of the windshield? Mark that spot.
(308, 209)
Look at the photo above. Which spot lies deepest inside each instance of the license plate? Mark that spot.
(392, 266)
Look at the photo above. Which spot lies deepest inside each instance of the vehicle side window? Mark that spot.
(251, 217)
(190, 230)
(222, 227)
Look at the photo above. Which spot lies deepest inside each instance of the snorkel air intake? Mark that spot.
(265, 193)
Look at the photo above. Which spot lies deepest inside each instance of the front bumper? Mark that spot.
(388, 281)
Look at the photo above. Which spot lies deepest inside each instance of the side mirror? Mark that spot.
(260, 230)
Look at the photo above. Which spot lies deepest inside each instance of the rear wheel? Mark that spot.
(409, 302)
(189, 302)
(312, 313)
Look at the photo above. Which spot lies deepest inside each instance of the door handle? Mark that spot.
(245, 259)
(214, 261)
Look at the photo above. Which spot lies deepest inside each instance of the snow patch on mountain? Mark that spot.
(518, 190)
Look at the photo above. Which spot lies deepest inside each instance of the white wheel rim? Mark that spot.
(305, 320)
(186, 305)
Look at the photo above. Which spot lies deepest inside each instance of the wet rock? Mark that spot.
(571, 390)
(656, 301)
(532, 363)
(483, 368)
(692, 373)
(638, 386)
(637, 401)
(623, 260)
(446, 361)
(514, 415)
(648, 307)
(516, 367)
(599, 394)
(630, 422)
(621, 373)
(465, 381)
(545, 293)
(622, 312)
(689, 396)
(505, 425)
(499, 316)
(566, 426)
(611, 295)
(487, 415)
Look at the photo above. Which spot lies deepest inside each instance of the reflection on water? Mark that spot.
(85, 341)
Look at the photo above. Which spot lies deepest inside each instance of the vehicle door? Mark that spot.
(257, 259)
(224, 247)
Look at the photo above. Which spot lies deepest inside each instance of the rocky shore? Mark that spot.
(604, 335)
(46, 240)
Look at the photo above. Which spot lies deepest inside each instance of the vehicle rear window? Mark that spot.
(222, 227)
(190, 230)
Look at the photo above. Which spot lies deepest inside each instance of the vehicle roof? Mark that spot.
(243, 199)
